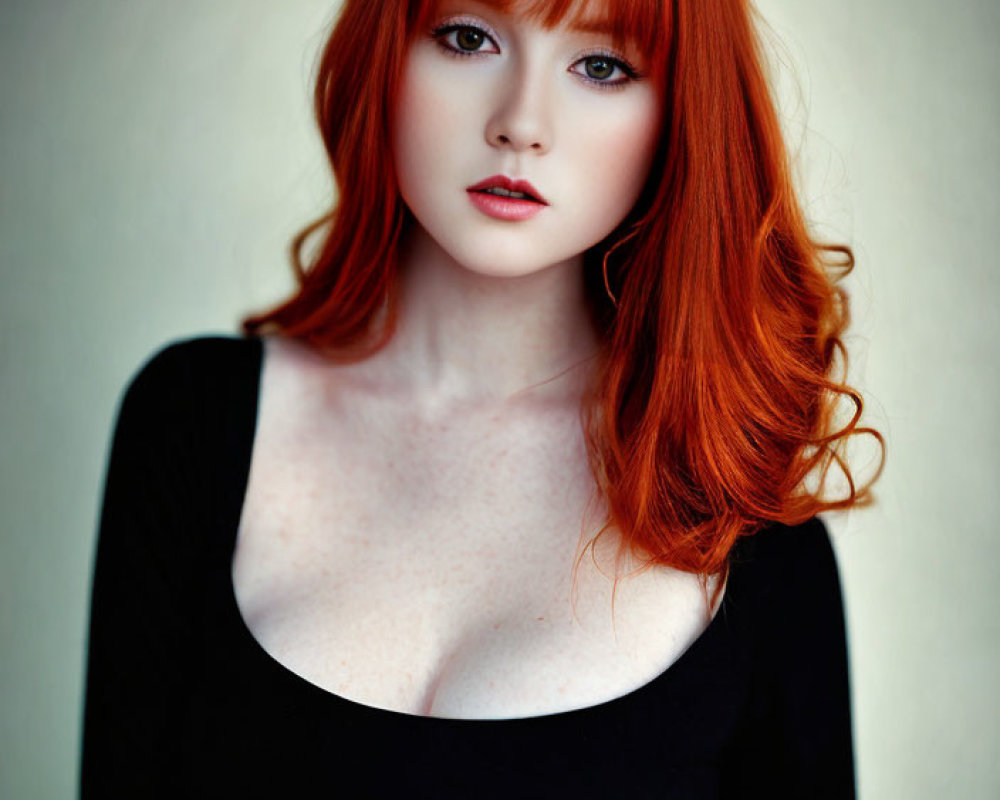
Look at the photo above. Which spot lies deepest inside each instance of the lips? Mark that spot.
(502, 186)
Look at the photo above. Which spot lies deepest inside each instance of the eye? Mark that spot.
(605, 70)
(465, 39)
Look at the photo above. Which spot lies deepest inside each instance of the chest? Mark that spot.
(437, 570)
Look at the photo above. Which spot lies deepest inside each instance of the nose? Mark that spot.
(521, 119)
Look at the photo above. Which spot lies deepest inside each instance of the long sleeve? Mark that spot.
(143, 608)
(796, 740)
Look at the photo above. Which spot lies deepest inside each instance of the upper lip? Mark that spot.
(511, 185)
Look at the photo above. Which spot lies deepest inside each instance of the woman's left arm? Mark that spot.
(796, 740)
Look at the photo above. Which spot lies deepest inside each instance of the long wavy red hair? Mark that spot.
(715, 407)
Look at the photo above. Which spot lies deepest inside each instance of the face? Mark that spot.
(494, 107)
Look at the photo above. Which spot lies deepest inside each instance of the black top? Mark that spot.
(183, 702)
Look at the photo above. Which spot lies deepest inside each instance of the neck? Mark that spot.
(466, 337)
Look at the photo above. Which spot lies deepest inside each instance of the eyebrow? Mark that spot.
(593, 26)
(603, 26)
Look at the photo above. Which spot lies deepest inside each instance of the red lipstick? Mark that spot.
(499, 204)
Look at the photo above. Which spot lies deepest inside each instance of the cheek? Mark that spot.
(413, 131)
(619, 151)
(426, 120)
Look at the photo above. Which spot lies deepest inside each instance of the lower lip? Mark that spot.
(508, 208)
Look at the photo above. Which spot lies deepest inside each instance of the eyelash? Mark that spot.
(630, 72)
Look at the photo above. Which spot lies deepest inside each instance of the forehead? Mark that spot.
(639, 22)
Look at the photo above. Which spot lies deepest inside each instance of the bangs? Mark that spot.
(640, 23)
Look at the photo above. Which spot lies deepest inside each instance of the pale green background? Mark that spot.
(157, 156)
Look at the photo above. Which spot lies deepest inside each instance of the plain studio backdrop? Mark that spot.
(158, 156)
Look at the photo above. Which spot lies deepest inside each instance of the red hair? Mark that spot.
(720, 317)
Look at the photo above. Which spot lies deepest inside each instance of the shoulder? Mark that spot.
(180, 364)
(779, 547)
(178, 454)
(184, 432)
(791, 570)
(185, 391)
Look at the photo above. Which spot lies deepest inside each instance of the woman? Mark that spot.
(512, 501)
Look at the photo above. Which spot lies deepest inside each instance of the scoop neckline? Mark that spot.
(300, 682)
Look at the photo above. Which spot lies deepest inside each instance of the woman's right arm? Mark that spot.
(143, 611)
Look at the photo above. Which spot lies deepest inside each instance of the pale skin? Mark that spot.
(412, 521)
